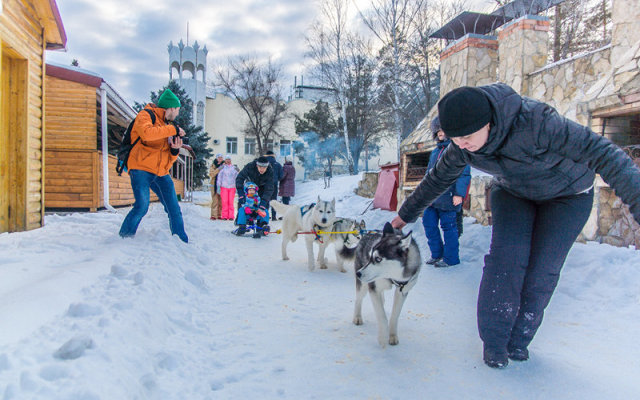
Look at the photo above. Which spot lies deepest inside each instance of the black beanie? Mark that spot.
(463, 111)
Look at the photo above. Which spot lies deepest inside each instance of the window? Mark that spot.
(268, 145)
(232, 145)
(249, 146)
(285, 148)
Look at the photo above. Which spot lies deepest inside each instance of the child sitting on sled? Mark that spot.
(251, 211)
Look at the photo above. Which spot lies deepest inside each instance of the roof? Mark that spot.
(54, 34)
(469, 22)
(422, 135)
(519, 8)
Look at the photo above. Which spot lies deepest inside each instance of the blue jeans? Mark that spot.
(449, 250)
(162, 186)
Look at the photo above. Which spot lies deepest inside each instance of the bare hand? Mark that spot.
(181, 132)
(457, 200)
(175, 142)
(398, 223)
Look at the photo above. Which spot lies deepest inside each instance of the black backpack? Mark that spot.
(126, 145)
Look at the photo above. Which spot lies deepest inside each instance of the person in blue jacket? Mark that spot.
(444, 209)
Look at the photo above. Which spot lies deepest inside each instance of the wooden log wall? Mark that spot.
(22, 50)
(70, 115)
(73, 179)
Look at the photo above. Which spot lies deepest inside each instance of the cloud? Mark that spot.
(126, 42)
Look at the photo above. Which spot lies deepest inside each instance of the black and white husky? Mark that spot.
(345, 236)
(314, 217)
(384, 260)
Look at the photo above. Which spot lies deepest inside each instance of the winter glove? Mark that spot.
(261, 212)
(247, 210)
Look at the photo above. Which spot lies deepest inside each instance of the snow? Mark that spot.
(87, 315)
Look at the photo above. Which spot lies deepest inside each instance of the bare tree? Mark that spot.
(391, 21)
(257, 90)
(326, 48)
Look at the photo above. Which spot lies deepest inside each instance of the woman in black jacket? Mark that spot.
(544, 167)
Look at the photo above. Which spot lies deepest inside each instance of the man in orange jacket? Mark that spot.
(150, 161)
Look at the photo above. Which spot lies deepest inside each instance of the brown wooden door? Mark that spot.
(13, 140)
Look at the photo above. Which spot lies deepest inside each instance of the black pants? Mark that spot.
(529, 244)
(286, 199)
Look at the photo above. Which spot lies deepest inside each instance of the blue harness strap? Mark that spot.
(306, 209)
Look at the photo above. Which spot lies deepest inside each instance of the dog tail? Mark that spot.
(279, 207)
(347, 253)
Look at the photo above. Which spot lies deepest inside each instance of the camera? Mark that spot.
(185, 139)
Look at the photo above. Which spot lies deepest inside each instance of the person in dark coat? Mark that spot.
(288, 181)
(444, 209)
(544, 167)
(277, 176)
(260, 172)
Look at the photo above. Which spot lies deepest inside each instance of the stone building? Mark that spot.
(188, 66)
(599, 89)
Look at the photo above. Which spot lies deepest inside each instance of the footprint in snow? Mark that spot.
(74, 348)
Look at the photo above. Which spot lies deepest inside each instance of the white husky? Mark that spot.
(384, 260)
(314, 217)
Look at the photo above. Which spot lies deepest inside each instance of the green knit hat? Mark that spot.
(168, 100)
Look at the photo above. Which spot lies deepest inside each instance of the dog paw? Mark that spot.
(285, 258)
(312, 267)
(382, 342)
(393, 340)
(343, 270)
(357, 320)
(323, 266)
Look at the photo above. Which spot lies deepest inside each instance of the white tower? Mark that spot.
(188, 66)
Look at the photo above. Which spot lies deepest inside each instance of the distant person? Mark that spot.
(444, 209)
(150, 161)
(544, 167)
(216, 203)
(277, 176)
(227, 187)
(259, 172)
(288, 181)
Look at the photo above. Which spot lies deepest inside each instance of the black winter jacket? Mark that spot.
(533, 153)
(266, 189)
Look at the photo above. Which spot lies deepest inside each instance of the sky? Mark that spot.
(86, 315)
(125, 42)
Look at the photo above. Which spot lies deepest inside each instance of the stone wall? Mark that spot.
(368, 185)
(523, 48)
(469, 61)
(565, 85)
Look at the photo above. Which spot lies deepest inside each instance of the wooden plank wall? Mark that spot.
(73, 179)
(70, 115)
(22, 32)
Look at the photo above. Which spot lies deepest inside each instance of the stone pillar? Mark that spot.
(524, 45)
(469, 61)
(625, 46)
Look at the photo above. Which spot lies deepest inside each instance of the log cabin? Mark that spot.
(27, 29)
(78, 128)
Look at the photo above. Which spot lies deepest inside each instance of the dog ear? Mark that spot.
(388, 229)
(405, 242)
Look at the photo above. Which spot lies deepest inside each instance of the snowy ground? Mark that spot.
(87, 315)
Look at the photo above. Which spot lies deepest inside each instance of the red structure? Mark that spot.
(386, 197)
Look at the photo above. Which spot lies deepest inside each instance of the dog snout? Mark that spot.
(359, 274)
(324, 220)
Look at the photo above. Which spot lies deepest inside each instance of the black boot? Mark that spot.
(242, 229)
(495, 359)
(257, 235)
(518, 353)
